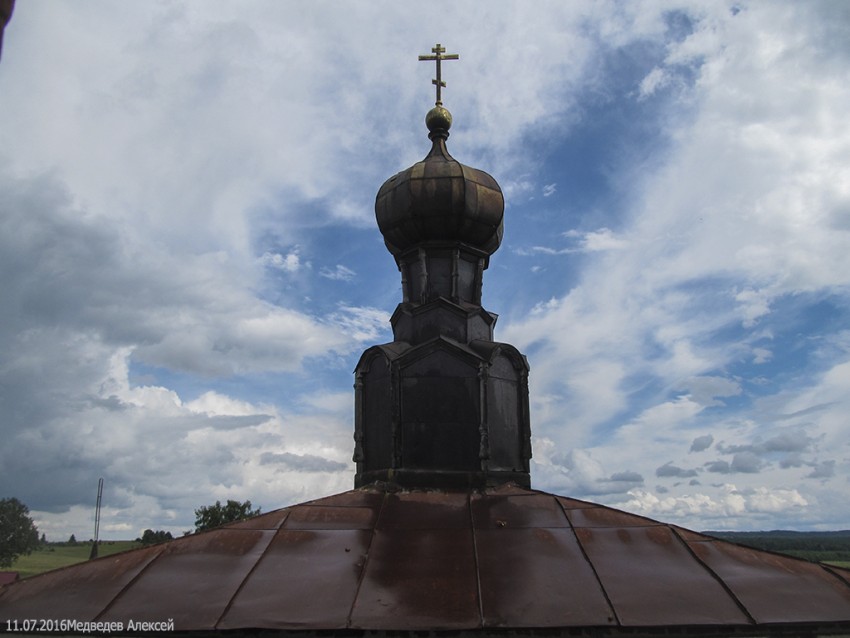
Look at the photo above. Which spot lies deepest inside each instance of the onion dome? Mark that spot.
(439, 200)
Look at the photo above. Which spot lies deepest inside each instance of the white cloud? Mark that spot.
(754, 304)
(653, 81)
(717, 511)
(338, 273)
(761, 355)
(291, 262)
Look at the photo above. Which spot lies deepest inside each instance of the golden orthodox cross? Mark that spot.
(439, 57)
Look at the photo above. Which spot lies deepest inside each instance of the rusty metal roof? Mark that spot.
(506, 558)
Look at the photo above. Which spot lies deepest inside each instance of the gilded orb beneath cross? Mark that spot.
(438, 118)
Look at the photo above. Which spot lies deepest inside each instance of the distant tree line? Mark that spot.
(150, 537)
(814, 546)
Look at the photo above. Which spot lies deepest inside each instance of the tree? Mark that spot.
(72, 540)
(210, 516)
(150, 537)
(18, 534)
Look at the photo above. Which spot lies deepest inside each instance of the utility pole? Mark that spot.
(97, 519)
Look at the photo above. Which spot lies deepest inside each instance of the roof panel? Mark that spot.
(599, 516)
(271, 520)
(776, 588)
(79, 592)
(425, 510)
(306, 579)
(538, 578)
(363, 497)
(192, 580)
(419, 579)
(652, 579)
(324, 517)
(513, 511)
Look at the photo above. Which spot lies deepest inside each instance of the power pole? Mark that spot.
(97, 519)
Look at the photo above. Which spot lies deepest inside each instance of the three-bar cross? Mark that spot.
(439, 57)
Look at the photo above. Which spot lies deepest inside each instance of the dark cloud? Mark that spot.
(626, 477)
(694, 482)
(718, 467)
(668, 469)
(746, 463)
(742, 462)
(701, 443)
(302, 462)
(822, 470)
(233, 422)
(810, 410)
(660, 489)
(795, 459)
(788, 441)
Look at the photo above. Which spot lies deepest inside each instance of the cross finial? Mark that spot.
(439, 57)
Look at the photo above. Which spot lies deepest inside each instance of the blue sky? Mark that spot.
(191, 266)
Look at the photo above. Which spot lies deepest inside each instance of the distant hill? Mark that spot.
(814, 546)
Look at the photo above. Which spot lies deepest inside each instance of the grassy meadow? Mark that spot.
(56, 555)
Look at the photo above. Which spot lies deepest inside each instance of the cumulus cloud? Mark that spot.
(730, 502)
(578, 473)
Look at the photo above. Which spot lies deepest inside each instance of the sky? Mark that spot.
(190, 265)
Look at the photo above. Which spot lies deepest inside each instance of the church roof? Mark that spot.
(497, 559)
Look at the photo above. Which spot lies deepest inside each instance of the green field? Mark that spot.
(56, 555)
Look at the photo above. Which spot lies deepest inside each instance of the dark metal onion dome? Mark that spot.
(443, 405)
(440, 200)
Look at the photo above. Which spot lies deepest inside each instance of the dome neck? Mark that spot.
(438, 146)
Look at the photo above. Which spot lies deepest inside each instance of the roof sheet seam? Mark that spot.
(838, 574)
(714, 575)
(365, 566)
(614, 613)
(132, 581)
(244, 580)
(475, 559)
(283, 520)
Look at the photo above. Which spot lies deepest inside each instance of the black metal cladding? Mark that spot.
(443, 405)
